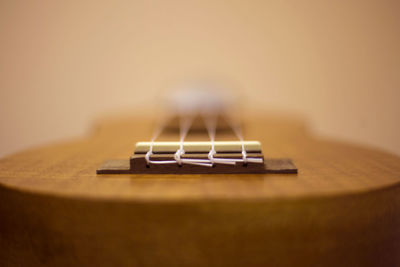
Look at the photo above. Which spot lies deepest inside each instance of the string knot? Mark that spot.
(244, 156)
(147, 157)
(178, 155)
(211, 156)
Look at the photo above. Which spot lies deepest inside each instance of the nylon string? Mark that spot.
(185, 124)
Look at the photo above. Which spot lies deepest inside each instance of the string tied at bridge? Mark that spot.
(212, 159)
(149, 153)
(185, 125)
(238, 132)
(211, 125)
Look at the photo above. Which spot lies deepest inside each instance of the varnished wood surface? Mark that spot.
(325, 167)
(341, 209)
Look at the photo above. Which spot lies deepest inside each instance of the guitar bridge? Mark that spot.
(220, 157)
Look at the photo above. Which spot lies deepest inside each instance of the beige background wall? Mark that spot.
(65, 63)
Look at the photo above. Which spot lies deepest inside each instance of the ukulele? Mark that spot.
(273, 195)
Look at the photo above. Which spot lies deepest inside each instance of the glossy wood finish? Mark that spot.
(343, 207)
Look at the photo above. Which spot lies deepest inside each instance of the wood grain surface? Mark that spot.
(342, 208)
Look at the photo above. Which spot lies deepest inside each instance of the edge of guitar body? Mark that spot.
(137, 165)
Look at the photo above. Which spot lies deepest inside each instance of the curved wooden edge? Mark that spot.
(355, 230)
(326, 168)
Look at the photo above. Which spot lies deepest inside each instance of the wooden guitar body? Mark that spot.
(341, 209)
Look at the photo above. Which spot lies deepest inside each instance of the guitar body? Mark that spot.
(341, 209)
